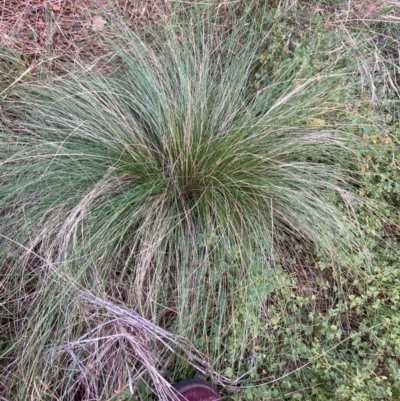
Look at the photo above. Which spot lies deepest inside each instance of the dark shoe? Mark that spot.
(196, 390)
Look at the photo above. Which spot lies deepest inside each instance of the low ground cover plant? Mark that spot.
(221, 200)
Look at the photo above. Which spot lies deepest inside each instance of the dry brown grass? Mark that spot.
(38, 30)
(36, 27)
(367, 9)
(42, 36)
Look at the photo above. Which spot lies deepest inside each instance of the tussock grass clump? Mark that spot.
(171, 188)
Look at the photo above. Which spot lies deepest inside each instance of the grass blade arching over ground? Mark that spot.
(171, 188)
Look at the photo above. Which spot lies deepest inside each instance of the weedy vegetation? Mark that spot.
(218, 194)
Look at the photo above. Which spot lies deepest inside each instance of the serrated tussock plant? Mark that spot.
(170, 187)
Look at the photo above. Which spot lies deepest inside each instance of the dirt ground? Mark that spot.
(36, 28)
